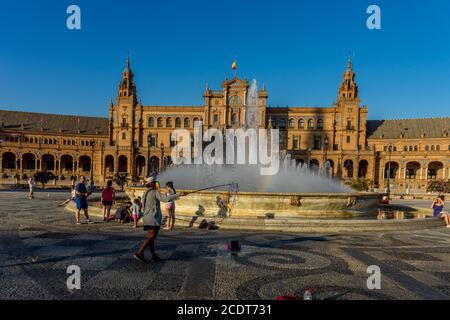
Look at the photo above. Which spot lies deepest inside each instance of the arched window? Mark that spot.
(234, 118)
(432, 148)
(320, 124)
(168, 123)
(177, 123)
(282, 123)
(415, 148)
(160, 122)
(301, 123)
(291, 123)
(405, 148)
(438, 147)
(310, 124)
(427, 148)
(196, 122)
(187, 122)
(151, 122)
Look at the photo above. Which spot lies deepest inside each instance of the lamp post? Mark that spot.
(162, 156)
(390, 146)
(149, 141)
(326, 163)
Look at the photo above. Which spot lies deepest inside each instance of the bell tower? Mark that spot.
(350, 119)
(124, 112)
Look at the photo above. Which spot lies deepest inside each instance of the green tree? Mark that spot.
(361, 184)
(44, 177)
(120, 179)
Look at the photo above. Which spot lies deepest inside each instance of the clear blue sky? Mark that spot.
(297, 48)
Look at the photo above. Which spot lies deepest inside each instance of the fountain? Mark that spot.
(295, 191)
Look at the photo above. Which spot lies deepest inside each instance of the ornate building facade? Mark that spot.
(135, 138)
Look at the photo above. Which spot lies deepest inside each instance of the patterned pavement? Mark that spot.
(38, 241)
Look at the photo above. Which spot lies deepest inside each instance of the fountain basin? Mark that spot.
(272, 205)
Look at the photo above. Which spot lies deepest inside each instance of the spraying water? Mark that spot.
(292, 177)
(252, 107)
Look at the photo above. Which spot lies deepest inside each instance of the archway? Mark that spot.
(140, 166)
(314, 165)
(29, 161)
(435, 170)
(330, 169)
(85, 163)
(123, 164)
(411, 169)
(109, 164)
(363, 169)
(9, 161)
(48, 162)
(392, 174)
(167, 161)
(66, 164)
(348, 165)
(154, 165)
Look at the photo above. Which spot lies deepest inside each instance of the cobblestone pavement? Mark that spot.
(38, 241)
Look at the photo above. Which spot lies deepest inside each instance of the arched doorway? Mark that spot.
(84, 164)
(348, 165)
(66, 164)
(392, 174)
(48, 162)
(435, 170)
(167, 161)
(363, 169)
(9, 161)
(140, 166)
(154, 165)
(314, 165)
(412, 168)
(109, 164)
(329, 168)
(299, 162)
(123, 164)
(29, 162)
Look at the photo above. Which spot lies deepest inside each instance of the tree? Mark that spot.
(361, 184)
(120, 179)
(44, 177)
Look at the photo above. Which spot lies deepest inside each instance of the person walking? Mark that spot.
(82, 194)
(152, 217)
(108, 198)
(31, 186)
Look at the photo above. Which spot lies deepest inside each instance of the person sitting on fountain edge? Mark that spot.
(152, 217)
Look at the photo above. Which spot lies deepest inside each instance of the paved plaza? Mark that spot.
(38, 241)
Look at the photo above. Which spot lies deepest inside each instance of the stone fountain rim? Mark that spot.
(288, 194)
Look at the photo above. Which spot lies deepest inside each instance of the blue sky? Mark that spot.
(297, 48)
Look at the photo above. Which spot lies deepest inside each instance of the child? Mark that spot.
(73, 194)
(136, 211)
(123, 213)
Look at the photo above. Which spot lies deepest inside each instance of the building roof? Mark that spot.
(52, 123)
(409, 128)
